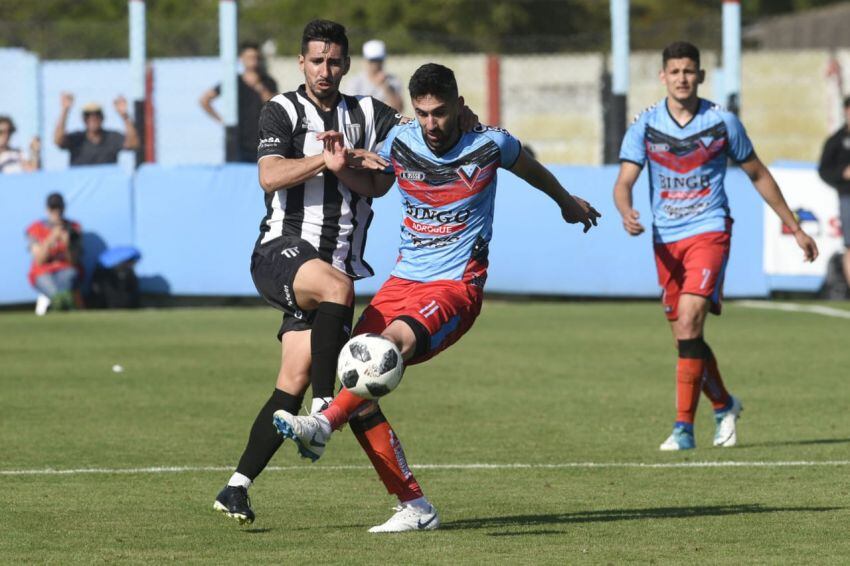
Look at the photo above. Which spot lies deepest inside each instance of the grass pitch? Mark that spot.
(542, 385)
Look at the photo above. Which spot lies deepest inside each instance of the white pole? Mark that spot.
(137, 50)
(615, 101)
(227, 40)
(620, 46)
(732, 53)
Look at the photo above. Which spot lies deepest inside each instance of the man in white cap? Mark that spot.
(374, 81)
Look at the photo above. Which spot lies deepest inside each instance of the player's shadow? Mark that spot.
(811, 442)
(498, 524)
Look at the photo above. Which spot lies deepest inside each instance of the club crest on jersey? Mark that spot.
(469, 174)
(353, 132)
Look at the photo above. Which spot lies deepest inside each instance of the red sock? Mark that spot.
(387, 456)
(342, 407)
(688, 379)
(712, 385)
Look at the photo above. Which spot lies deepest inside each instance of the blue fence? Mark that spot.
(196, 226)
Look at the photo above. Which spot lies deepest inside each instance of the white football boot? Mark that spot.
(725, 429)
(410, 518)
(311, 433)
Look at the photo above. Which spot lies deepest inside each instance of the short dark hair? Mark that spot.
(846, 102)
(325, 31)
(433, 79)
(248, 45)
(8, 120)
(680, 50)
(55, 201)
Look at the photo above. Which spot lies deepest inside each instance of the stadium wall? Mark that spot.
(196, 225)
(551, 102)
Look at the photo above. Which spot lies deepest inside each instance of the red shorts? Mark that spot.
(695, 266)
(440, 312)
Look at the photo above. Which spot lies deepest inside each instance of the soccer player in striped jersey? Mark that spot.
(685, 141)
(312, 238)
(447, 180)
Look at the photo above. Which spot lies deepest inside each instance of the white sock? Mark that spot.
(324, 423)
(319, 404)
(420, 504)
(239, 480)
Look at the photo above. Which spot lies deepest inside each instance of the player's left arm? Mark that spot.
(573, 208)
(769, 190)
(370, 180)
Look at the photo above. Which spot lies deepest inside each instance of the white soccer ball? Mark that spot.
(370, 366)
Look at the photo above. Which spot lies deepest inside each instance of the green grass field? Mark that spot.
(543, 385)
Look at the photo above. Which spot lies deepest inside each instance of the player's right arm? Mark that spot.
(632, 160)
(626, 178)
(59, 136)
(206, 103)
(276, 170)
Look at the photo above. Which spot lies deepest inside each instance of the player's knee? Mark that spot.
(295, 383)
(338, 290)
(688, 327)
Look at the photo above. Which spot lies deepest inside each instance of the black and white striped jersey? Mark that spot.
(322, 210)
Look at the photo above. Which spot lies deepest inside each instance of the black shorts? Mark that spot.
(273, 269)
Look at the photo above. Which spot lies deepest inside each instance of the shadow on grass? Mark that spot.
(257, 531)
(612, 515)
(812, 442)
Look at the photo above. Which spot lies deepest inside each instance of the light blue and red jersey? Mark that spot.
(687, 166)
(448, 201)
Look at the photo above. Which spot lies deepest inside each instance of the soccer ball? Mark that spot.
(370, 366)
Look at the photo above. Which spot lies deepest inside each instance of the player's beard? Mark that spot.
(325, 94)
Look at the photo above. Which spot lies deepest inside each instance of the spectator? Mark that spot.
(94, 145)
(55, 246)
(374, 81)
(13, 160)
(834, 169)
(255, 88)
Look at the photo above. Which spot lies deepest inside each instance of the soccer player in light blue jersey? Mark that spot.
(447, 181)
(685, 142)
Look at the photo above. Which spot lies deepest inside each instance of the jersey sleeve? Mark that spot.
(386, 151)
(633, 148)
(740, 147)
(386, 118)
(509, 146)
(275, 131)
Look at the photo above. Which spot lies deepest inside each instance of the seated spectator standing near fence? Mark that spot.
(14, 160)
(55, 247)
(834, 169)
(254, 88)
(94, 145)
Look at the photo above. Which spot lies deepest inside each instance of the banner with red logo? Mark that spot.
(816, 205)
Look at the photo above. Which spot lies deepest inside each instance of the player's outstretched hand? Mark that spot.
(334, 153)
(632, 224)
(807, 244)
(577, 210)
(364, 159)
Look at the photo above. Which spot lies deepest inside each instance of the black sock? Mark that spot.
(264, 439)
(330, 331)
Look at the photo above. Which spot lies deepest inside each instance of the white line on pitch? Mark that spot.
(508, 466)
(795, 307)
